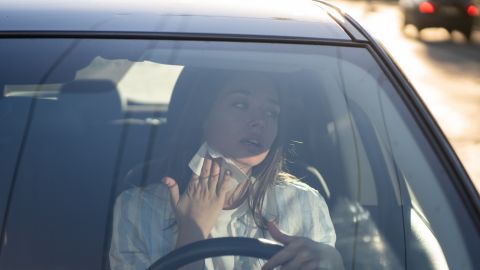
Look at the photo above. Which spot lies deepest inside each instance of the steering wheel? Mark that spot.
(222, 246)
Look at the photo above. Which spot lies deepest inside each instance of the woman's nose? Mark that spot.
(257, 121)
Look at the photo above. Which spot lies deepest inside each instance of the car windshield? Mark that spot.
(89, 128)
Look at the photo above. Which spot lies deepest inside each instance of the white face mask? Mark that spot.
(226, 164)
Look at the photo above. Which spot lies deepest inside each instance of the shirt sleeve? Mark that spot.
(143, 228)
(317, 223)
(127, 249)
(303, 212)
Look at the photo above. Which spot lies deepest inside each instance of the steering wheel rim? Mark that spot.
(215, 247)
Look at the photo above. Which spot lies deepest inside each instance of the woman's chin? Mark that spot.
(251, 161)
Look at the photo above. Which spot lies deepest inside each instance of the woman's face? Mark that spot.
(243, 121)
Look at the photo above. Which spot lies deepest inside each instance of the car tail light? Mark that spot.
(472, 10)
(426, 7)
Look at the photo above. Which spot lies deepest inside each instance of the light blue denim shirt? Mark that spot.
(143, 219)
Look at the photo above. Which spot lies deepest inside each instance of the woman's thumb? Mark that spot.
(278, 235)
(174, 192)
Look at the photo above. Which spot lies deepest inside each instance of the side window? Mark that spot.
(418, 208)
(433, 211)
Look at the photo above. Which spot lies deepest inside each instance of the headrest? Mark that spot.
(94, 99)
(88, 86)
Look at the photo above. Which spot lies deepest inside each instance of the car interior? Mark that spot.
(91, 145)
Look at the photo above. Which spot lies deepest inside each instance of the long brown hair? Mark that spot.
(185, 123)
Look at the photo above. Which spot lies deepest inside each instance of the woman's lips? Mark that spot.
(253, 141)
(252, 145)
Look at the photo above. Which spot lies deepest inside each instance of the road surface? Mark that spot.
(444, 69)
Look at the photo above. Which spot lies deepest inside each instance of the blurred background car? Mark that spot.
(450, 14)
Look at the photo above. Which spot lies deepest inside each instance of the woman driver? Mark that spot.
(224, 178)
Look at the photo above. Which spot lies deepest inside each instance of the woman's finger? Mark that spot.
(193, 184)
(205, 172)
(214, 175)
(174, 192)
(278, 235)
(225, 184)
(282, 257)
(302, 258)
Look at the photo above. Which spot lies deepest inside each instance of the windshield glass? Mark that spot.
(98, 136)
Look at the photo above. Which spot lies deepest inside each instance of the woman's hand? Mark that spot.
(302, 253)
(198, 208)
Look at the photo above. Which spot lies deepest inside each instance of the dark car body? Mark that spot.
(67, 142)
(449, 14)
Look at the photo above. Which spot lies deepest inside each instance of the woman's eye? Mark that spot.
(240, 105)
(272, 114)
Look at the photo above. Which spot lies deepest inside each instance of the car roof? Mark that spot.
(286, 18)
